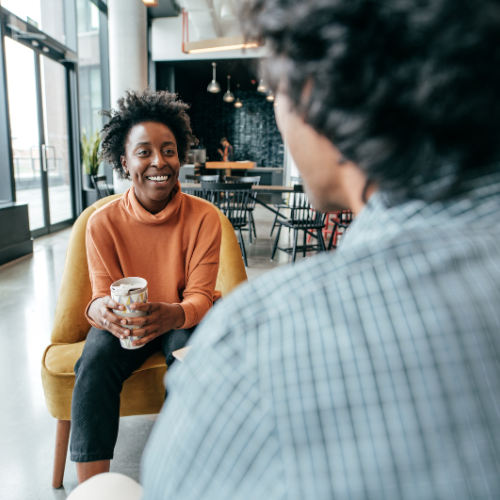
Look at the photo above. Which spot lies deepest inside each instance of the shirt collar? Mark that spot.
(478, 200)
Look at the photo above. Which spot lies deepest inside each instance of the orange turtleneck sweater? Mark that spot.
(176, 251)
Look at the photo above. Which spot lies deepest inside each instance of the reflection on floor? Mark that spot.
(28, 294)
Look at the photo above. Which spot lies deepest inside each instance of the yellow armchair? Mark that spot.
(143, 393)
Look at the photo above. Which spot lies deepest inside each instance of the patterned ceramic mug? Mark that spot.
(129, 291)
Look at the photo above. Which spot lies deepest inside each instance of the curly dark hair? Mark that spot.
(409, 90)
(146, 106)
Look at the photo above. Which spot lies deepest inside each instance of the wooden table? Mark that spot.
(230, 165)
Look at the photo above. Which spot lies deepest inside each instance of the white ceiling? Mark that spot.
(211, 18)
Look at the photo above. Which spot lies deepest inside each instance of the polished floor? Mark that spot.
(28, 294)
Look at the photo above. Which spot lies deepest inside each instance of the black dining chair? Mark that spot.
(198, 191)
(342, 220)
(101, 186)
(296, 183)
(232, 200)
(303, 217)
(203, 178)
(255, 180)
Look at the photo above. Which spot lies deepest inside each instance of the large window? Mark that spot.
(89, 66)
(47, 15)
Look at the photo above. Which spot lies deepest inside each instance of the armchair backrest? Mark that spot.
(70, 324)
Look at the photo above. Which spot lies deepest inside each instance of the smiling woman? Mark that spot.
(152, 163)
(155, 232)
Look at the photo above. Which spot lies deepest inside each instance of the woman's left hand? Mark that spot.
(161, 318)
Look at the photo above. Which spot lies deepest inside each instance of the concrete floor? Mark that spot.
(28, 294)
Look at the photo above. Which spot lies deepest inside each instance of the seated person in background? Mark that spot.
(153, 232)
(226, 150)
(372, 372)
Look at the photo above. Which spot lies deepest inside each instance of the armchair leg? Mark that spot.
(62, 440)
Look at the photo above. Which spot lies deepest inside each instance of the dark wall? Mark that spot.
(251, 130)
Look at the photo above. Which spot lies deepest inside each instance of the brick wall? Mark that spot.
(251, 130)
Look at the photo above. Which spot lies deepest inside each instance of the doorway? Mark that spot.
(38, 107)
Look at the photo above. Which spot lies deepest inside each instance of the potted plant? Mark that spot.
(91, 159)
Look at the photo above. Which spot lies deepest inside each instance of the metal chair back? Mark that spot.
(249, 179)
(255, 180)
(101, 186)
(231, 199)
(209, 178)
(302, 212)
(203, 178)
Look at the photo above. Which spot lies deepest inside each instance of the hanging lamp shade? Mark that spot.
(262, 86)
(238, 104)
(213, 86)
(228, 96)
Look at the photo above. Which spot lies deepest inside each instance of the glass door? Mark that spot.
(25, 133)
(37, 93)
(55, 149)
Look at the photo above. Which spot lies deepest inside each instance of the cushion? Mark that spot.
(143, 392)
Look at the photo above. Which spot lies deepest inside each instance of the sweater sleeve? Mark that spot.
(100, 279)
(199, 294)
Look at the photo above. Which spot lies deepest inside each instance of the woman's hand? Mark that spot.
(101, 312)
(161, 318)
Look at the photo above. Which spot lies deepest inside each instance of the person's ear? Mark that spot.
(124, 164)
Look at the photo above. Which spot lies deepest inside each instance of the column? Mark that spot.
(128, 54)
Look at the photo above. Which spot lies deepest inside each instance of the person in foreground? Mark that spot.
(372, 372)
(153, 232)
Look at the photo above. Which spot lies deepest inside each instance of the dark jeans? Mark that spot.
(100, 373)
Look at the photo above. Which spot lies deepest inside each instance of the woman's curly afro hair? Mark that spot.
(139, 107)
(409, 90)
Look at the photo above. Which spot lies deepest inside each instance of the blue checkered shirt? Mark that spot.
(368, 373)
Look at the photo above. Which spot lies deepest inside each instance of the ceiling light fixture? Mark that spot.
(262, 86)
(228, 96)
(150, 3)
(213, 86)
(218, 44)
(238, 104)
(270, 98)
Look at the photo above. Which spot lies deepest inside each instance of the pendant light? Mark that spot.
(213, 86)
(270, 98)
(228, 96)
(238, 104)
(262, 86)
